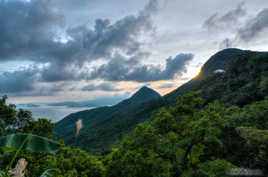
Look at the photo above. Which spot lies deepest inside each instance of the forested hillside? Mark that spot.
(219, 126)
(244, 81)
(192, 139)
(65, 128)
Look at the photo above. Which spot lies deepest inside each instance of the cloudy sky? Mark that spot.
(73, 50)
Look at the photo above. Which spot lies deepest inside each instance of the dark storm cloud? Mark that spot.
(217, 21)
(36, 32)
(58, 72)
(24, 83)
(254, 27)
(30, 34)
(108, 87)
(120, 69)
(25, 27)
(107, 37)
(17, 81)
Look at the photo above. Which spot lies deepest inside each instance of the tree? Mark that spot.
(181, 141)
(41, 127)
(257, 143)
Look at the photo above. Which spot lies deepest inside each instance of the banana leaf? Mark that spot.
(48, 173)
(33, 144)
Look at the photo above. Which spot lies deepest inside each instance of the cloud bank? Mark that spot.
(119, 69)
(38, 32)
(250, 29)
(227, 20)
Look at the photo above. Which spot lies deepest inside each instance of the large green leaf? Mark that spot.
(2, 173)
(34, 143)
(48, 173)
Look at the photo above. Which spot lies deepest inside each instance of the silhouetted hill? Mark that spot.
(144, 94)
(65, 129)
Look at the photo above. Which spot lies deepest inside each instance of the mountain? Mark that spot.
(65, 129)
(221, 60)
(245, 80)
(144, 94)
(238, 85)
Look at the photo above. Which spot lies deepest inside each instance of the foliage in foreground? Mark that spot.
(187, 140)
(15, 143)
(39, 152)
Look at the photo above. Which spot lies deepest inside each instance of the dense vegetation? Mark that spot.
(244, 81)
(65, 129)
(186, 140)
(67, 162)
(192, 140)
(218, 122)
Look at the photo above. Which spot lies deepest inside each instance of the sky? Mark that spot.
(77, 50)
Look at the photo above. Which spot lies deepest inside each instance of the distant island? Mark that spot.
(97, 102)
(74, 104)
(30, 105)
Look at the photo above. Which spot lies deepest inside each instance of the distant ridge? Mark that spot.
(65, 129)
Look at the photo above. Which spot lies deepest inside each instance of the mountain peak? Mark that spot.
(221, 60)
(145, 89)
(145, 93)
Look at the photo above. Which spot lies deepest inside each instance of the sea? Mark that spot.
(53, 113)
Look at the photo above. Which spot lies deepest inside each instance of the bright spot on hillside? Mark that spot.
(192, 72)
